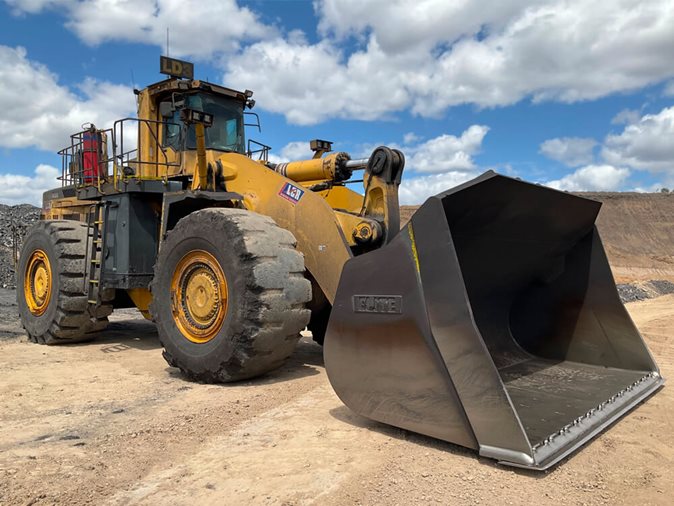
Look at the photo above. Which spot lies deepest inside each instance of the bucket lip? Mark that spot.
(575, 435)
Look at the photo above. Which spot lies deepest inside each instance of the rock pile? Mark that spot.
(14, 223)
(632, 292)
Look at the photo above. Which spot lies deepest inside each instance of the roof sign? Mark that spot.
(176, 68)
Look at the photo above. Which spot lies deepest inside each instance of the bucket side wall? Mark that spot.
(379, 353)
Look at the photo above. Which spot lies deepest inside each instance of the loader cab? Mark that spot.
(226, 134)
(169, 143)
(160, 143)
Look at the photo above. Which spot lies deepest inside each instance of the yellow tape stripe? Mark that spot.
(415, 253)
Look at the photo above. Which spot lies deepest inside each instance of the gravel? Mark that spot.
(631, 292)
(15, 221)
(663, 287)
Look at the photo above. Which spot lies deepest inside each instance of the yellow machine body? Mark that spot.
(327, 223)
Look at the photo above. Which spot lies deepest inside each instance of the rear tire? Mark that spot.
(58, 312)
(250, 321)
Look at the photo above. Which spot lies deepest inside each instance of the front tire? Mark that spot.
(229, 295)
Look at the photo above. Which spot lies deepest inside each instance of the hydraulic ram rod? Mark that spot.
(359, 164)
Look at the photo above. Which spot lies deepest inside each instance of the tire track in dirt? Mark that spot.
(293, 454)
(80, 423)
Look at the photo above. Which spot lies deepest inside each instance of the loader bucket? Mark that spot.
(491, 321)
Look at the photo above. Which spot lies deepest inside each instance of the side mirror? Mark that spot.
(166, 109)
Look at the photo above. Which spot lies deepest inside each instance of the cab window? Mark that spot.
(226, 133)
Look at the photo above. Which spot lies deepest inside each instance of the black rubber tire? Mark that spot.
(66, 318)
(267, 295)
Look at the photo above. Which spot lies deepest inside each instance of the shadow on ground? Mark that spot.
(345, 415)
(305, 361)
(128, 330)
(139, 334)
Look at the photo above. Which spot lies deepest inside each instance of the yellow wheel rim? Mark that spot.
(199, 296)
(37, 282)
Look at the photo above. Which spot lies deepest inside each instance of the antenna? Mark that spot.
(167, 42)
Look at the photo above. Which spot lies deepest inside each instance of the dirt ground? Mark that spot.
(110, 423)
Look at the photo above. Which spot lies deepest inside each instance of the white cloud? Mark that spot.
(430, 167)
(592, 178)
(430, 55)
(443, 162)
(643, 145)
(38, 111)
(416, 190)
(447, 157)
(561, 50)
(34, 6)
(197, 28)
(446, 152)
(19, 189)
(646, 144)
(418, 55)
(411, 137)
(571, 151)
(626, 117)
(413, 25)
(296, 150)
(310, 83)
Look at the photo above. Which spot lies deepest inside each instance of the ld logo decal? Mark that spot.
(291, 193)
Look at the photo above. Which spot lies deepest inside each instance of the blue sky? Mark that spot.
(575, 94)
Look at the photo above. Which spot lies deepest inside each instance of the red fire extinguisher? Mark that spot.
(91, 155)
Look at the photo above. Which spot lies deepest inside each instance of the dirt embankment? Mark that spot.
(638, 233)
(637, 230)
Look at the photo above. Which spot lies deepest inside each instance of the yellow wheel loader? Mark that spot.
(491, 320)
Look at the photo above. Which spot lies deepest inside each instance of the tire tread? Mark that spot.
(276, 296)
(72, 322)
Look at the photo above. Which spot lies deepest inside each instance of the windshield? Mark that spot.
(226, 133)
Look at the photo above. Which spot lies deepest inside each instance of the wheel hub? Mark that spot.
(37, 282)
(200, 296)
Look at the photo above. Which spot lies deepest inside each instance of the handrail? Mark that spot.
(264, 150)
(81, 170)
